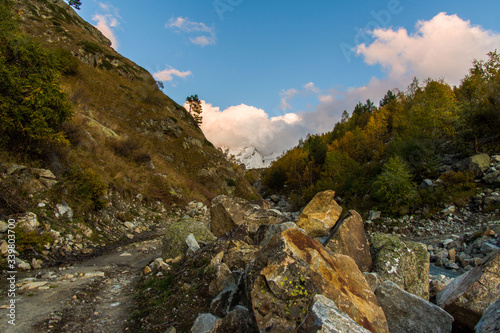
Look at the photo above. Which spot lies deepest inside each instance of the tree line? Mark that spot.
(376, 156)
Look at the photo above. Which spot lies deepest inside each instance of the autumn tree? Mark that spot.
(195, 108)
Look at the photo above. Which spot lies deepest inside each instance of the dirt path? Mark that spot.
(95, 295)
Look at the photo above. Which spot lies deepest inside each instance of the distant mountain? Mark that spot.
(250, 157)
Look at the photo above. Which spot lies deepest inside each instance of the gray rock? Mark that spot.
(15, 169)
(192, 244)
(448, 210)
(64, 210)
(468, 296)
(174, 241)
(487, 248)
(324, 316)
(129, 225)
(267, 231)
(374, 214)
(402, 262)
(28, 221)
(490, 321)
(3, 226)
(408, 313)
(237, 321)
(204, 323)
(230, 296)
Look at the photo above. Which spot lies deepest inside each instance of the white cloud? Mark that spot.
(443, 47)
(168, 74)
(184, 24)
(244, 125)
(107, 21)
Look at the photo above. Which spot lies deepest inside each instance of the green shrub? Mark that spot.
(457, 187)
(87, 188)
(90, 47)
(394, 186)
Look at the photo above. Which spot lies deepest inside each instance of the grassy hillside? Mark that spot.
(98, 121)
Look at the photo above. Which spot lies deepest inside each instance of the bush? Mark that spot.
(87, 188)
(457, 187)
(394, 185)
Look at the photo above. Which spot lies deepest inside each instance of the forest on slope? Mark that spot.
(377, 157)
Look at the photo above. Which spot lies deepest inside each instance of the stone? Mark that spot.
(15, 169)
(490, 321)
(231, 295)
(217, 273)
(492, 178)
(325, 316)
(129, 225)
(350, 240)
(402, 262)
(374, 214)
(4, 226)
(478, 164)
(406, 312)
(487, 248)
(192, 244)
(452, 254)
(229, 212)
(239, 320)
(4, 247)
(24, 266)
(174, 241)
(28, 221)
(267, 231)
(147, 270)
(32, 286)
(203, 323)
(284, 276)
(449, 210)
(372, 279)
(65, 210)
(468, 296)
(320, 215)
(36, 263)
(43, 173)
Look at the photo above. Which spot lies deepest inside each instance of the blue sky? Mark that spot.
(270, 72)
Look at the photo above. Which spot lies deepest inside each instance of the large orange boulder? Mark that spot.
(285, 275)
(320, 215)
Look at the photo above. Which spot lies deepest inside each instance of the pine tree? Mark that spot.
(195, 108)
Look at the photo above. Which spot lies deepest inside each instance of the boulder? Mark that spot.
(28, 221)
(239, 320)
(402, 262)
(492, 178)
(231, 296)
(229, 212)
(490, 321)
(174, 241)
(285, 275)
(267, 231)
(192, 245)
(203, 323)
(320, 215)
(468, 296)
(406, 312)
(478, 164)
(350, 240)
(325, 316)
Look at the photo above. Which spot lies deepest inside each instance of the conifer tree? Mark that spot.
(195, 108)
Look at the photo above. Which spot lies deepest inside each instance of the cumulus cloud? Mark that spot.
(107, 22)
(205, 35)
(244, 125)
(168, 74)
(443, 47)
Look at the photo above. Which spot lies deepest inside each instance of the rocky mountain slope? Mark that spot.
(127, 154)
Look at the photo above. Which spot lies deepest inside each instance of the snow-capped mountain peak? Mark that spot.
(250, 157)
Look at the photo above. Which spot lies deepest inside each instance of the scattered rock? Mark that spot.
(267, 231)
(28, 221)
(406, 312)
(320, 215)
(238, 320)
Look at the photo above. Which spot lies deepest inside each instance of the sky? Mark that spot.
(270, 72)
